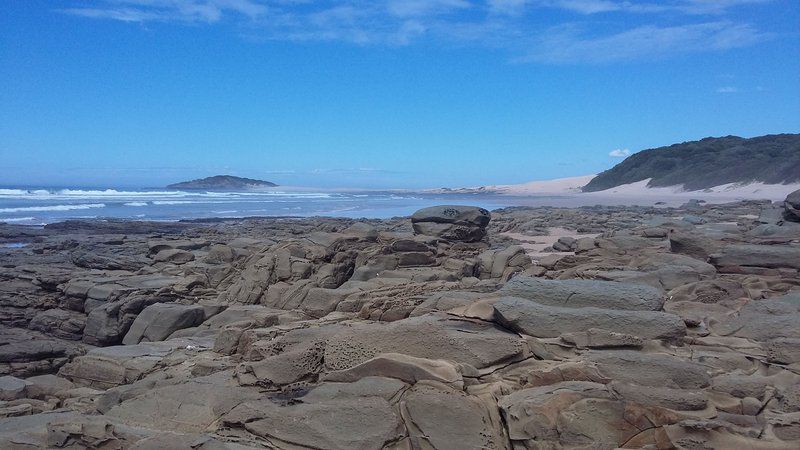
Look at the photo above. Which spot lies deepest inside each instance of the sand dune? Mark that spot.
(640, 193)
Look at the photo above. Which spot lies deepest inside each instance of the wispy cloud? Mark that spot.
(209, 11)
(567, 44)
(605, 6)
(620, 153)
(727, 90)
(352, 171)
(512, 25)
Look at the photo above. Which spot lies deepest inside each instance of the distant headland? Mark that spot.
(222, 182)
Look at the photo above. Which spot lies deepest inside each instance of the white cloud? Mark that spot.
(727, 89)
(509, 25)
(408, 8)
(208, 11)
(620, 153)
(564, 45)
(681, 6)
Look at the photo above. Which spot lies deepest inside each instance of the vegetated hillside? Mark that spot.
(222, 182)
(773, 159)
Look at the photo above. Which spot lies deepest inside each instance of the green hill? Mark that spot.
(773, 159)
(222, 182)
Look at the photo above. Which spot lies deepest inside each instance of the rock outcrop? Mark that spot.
(792, 206)
(451, 222)
(645, 328)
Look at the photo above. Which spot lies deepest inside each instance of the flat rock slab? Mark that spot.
(158, 321)
(650, 369)
(534, 319)
(766, 319)
(351, 423)
(478, 344)
(447, 419)
(583, 293)
(770, 256)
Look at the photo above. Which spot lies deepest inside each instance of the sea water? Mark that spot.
(38, 206)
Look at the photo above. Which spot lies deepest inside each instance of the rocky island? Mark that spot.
(525, 328)
(222, 183)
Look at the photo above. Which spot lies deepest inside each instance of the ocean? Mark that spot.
(39, 206)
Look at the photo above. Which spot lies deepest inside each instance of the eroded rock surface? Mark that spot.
(649, 328)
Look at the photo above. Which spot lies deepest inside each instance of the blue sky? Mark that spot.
(381, 93)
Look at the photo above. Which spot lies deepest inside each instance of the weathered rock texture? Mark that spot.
(650, 328)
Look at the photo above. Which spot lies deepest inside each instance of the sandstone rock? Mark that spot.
(42, 386)
(582, 293)
(444, 418)
(692, 244)
(90, 260)
(402, 367)
(763, 320)
(770, 256)
(475, 343)
(192, 406)
(386, 388)
(60, 323)
(596, 338)
(655, 370)
(677, 399)
(792, 205)
(784, 350)
(108, 367)
(174, 255)
(352, 423)
(456, 223)
(158, 321)
(12, 388)
(533, 413)
(545, 321)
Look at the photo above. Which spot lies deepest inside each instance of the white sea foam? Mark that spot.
(136, 204)
(174, 202)
(53, 208)
(110, 194)
(17, 219)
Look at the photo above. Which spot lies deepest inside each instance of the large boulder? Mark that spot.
(455, 223)
(583, 293)
(158, 321)
(792, 205)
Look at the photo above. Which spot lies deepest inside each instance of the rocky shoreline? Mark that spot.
(647, 327)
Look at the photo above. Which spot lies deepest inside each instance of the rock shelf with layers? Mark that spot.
(672, 328)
